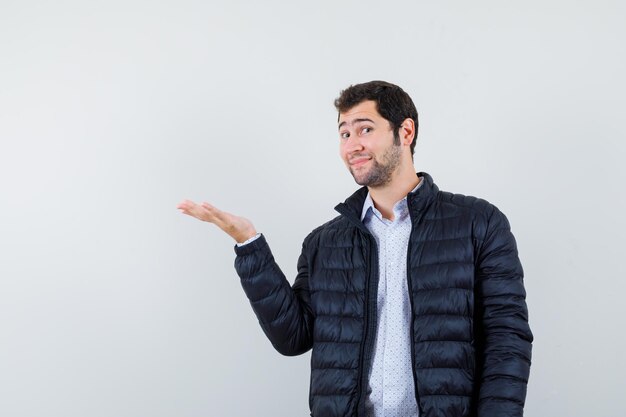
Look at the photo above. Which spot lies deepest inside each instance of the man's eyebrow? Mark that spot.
(355, 121)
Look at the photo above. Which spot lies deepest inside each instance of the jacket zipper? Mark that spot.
(370, 325)
(410, 285)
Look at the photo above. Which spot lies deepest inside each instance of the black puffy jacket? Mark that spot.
(471, 345)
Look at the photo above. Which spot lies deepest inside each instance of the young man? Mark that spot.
(412, 299)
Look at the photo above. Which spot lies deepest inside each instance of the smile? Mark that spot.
(356, 162)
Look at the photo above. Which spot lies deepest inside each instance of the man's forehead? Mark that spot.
(361, 112)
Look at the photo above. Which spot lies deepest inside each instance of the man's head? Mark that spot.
(377, 130)
(392, 103)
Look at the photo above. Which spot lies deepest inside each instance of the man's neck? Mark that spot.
(386, 197)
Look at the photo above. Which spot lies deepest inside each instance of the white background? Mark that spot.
(112, 303)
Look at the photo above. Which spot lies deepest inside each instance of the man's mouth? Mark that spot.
(356, 162)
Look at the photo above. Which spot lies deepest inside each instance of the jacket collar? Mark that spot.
(418, 200)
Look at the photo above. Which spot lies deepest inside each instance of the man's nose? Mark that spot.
(353, 143)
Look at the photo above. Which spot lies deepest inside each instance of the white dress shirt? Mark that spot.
(391, 391)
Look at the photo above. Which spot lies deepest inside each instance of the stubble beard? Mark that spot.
(380, 173)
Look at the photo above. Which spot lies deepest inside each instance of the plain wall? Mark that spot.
(114, 304)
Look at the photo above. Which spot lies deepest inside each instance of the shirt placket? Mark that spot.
(389, 381)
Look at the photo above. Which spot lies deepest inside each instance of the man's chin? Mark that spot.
(365, 179)
(361, 179)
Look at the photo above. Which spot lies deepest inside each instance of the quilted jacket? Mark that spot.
(471, 346)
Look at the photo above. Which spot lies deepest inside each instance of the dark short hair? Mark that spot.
(392, 102)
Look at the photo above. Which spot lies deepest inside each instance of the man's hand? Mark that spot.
(238, 228)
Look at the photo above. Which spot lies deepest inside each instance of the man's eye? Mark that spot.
(366, 130)
(344, 135)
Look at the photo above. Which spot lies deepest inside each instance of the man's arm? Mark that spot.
(506, 336)
(283, 311)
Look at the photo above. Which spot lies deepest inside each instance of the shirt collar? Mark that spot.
(369, 203)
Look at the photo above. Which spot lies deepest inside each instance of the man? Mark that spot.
(412, 299)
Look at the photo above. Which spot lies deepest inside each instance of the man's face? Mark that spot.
(367, 145)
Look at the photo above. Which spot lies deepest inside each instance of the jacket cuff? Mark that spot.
(252, 239)
(251, 247)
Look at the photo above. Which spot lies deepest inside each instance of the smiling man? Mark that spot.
(412, 299)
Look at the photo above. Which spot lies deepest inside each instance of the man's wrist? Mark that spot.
(249, 240)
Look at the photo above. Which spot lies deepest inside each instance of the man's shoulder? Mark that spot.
(483, 214)
(446, 203)
(464, 203)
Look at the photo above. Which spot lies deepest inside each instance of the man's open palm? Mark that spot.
(239, 228)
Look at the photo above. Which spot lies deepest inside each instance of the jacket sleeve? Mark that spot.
(283, 311)
(506, 338)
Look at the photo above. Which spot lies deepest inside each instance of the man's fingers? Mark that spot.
(210, 208)
(188, 208)
(213, 211)
(192, 209)
(186, 205)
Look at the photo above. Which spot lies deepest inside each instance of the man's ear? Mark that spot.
(407, 132)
